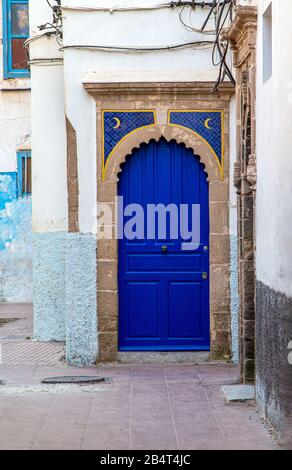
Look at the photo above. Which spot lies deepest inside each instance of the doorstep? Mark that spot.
(177, 357)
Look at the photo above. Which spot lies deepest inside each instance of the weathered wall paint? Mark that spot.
(274, 221)
(81, 317)
(15, 214)
(15, 243)
(14, 122)
(274, 377)
(8, 189)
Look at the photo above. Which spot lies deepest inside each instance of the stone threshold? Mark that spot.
(181, 357)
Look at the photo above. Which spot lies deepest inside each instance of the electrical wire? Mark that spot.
(209, 16)
(219, 46)
(219, 28)
(116, 8)
(189, 27)
(219, 13)
(113, 9)
(35, 38)
(194, 44)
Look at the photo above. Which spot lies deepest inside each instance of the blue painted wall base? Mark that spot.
(65, 293)
(49, 297)
(234, 298)
(81, 318)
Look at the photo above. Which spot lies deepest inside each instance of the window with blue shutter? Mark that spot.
(15, 33)
(23, 173)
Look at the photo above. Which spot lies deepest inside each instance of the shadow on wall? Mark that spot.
(15, 242)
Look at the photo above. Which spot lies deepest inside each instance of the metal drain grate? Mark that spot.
(81, 380)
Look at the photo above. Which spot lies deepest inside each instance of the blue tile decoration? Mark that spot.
(117, 124)
(206, 124)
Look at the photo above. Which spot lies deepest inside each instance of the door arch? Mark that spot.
(163, 289)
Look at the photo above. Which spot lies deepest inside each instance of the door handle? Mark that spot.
(164, 249)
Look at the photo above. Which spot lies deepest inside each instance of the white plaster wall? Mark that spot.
(274, 163)
(133, 29)
(48, 128)
(14, 126)
(49, 184)
(81, 111)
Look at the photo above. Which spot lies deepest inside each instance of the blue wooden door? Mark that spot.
(163, 289)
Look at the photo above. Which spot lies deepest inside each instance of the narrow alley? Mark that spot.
(144, 407)
(145, 226)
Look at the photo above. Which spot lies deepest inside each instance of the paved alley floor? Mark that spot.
(144, 407)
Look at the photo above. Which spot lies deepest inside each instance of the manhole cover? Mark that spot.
(4, 321)
(76, 380)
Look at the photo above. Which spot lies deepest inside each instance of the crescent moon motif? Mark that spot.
(118, 123)
(207, 123)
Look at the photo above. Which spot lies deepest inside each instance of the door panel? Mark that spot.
(164, 297)
(143, 317)
(171, 262)
(184, 300)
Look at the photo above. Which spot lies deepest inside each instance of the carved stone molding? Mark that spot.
(164, 90)
(242, 34)
(164, 97)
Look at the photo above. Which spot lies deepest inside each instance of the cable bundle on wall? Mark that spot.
(220, 13)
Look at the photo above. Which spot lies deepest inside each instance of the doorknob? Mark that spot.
(164, 249)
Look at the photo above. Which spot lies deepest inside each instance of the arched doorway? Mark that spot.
(164, 287)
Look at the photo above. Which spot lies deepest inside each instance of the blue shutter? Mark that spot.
(22, 157)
